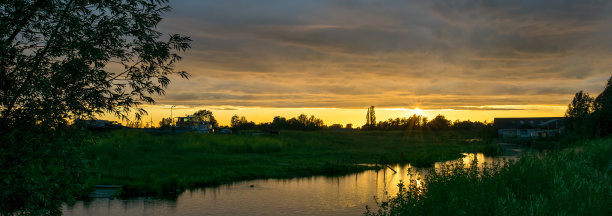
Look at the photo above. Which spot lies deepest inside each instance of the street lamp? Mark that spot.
(171, 119)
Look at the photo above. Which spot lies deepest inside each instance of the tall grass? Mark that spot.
(165, 164)
(571, 182)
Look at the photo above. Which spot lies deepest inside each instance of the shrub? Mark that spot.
(572, 182)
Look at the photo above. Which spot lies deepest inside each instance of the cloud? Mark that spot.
(485, 108)
(439, 54)
(225, 108)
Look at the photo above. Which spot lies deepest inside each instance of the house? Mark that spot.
(529, 128)
(97, 124)
(192, 123)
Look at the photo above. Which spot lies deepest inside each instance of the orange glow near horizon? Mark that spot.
(417, 111)
(345, 116)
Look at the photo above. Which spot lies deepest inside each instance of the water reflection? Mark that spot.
(344, 195)
(480, 158)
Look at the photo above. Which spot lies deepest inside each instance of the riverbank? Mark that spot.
(148, 164)
(573, 181)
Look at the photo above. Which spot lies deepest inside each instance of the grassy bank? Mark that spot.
(575, 181)
(161, 164)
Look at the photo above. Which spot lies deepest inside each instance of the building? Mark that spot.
(191, 122)
(97, 124)
(529, 128)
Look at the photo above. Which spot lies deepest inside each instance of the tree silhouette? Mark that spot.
(439, 123)
(240, 122)
(602, 111)
(205, 116)
(279, 123)
(370, 118)
(578, 114)
(414, 122)
(55, 66)
(165, 123)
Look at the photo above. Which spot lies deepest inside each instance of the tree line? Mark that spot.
(414, 122)
(590, 117)
(301, 122)
(418, 122)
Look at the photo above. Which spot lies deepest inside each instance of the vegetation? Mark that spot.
(370, 119)
(412, 123)
(205, 115)
(241, 123)
(170, 162)
(589, 117)
(40, 170)
(165, 123)
(54, 67)
(301, 122)
(571, 182)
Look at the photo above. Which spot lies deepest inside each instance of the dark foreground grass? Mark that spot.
(575, 181)
(165, 164)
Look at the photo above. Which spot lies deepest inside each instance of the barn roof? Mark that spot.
(528, 123)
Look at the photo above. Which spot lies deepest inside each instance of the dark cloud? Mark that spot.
(338, 53)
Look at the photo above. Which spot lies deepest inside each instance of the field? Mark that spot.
(163, 164)
(573, 181)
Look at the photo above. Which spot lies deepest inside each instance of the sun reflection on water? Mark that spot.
(317, 195)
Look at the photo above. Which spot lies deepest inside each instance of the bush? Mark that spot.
(40, 170)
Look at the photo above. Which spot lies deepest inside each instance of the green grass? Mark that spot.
(574, 181)
(165, 164)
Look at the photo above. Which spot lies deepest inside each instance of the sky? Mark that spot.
(463, 59)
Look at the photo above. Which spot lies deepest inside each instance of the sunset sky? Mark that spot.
(334, 58)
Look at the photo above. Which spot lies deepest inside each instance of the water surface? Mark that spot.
(318, 195)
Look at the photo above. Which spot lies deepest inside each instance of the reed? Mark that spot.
(574, 181)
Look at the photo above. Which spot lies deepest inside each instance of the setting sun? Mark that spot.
(417, 111)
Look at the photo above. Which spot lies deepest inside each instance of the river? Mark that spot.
(317, 195)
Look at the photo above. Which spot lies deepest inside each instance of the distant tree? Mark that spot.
(165, 123)
(135, 124)
(335, 126)
(64, 60)
(235, 122)
(439, 123)
(294, 123)
(370, 118)
(414, 122)
(301, 122)
(240, 122)
(279, 123)
(302, 119)
(315, 123)
(577, 116)
(463, 125)
(205, 116)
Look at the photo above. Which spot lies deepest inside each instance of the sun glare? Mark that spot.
(417, 111)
